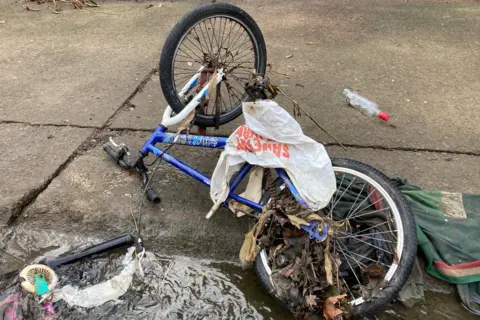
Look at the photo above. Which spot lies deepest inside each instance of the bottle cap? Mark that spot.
(383, 115)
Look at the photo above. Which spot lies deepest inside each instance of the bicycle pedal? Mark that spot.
(116, 151)
(119, 146)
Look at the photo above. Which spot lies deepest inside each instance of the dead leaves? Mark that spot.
(372, 271)
(32, 9)
(311, 301)
(297, 222)
(330, 309)
(328, 263)
(80, 4)
(250, 249)
(55, 7)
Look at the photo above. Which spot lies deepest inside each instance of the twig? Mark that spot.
(160, 258)
(134, 220)
(297, 106)
(442, 313)
(166, 272)
(54, 11)
(280, 73)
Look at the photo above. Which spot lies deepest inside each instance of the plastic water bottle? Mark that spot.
(364, 105)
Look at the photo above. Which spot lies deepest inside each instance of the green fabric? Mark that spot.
(413, 291)
(442, 238)
(470, 296)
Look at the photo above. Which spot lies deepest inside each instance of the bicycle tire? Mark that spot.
(174, 40)
(409, 249)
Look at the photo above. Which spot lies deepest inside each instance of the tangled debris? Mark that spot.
(311, 277)
(54, 5)
(304, 274)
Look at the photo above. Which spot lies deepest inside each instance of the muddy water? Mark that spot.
(177, 287)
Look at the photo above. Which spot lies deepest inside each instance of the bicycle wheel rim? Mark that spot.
(398, 224)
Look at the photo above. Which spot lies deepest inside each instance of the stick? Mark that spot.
(296, 105)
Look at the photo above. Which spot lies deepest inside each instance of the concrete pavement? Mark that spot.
(83, 75)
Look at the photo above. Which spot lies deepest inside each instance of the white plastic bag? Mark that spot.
(100, 293)
(271, 138)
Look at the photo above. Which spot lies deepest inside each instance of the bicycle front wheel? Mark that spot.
(213, 36)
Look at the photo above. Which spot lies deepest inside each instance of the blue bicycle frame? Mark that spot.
(160, 135)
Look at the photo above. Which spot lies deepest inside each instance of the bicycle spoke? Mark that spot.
(208, 36)
(200, 42)
(239, 97)
(246, 40)
(235, 35)
(376, 211)
(192, 51)
(334, 197)
(367, 258)
(372, 204)
(337, 268)
(361, 265)
(191, 72)
(348, 214)
(214, 38)
(223, 33)
(348, 236)
(182, 76)
(229, 96)
(369, 228)
(245, 71)
(233, 92)
(238, 38)
(364, 200)
(229, 31)
(188, 56)
(381, 232)
(194, 44)
(244, 53)
(351, 268)
(371, 245)
(238, 78)
(344, 192)
(238, 81)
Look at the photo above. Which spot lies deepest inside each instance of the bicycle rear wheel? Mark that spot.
(212, 36)
(380, 238)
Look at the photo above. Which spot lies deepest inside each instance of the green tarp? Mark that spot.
(448, 231)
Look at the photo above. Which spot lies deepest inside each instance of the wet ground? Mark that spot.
(176, 287)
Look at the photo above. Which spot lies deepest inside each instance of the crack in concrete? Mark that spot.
(326, 144)
(97, 135)
(32, 194)
(137, 90)
(406, 149)
(49, 124)
(89, 143)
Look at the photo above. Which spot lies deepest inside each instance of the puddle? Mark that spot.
(175, 287)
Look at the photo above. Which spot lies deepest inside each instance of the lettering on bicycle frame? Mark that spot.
(191, 140)
(250, 141)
